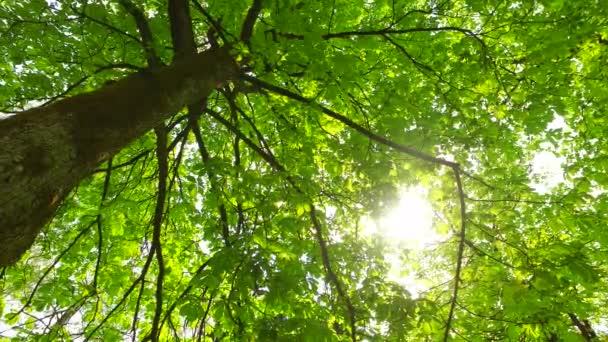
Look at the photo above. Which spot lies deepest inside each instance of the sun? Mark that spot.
(409, 222)
(406, 224)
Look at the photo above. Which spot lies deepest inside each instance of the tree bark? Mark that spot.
(45, 152)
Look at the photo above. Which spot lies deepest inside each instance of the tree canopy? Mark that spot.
(238, 212)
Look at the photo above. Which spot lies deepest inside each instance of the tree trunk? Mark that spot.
(45, 152)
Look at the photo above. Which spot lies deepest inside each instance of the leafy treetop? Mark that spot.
(239, 217)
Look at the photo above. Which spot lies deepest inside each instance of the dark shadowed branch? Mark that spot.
(163, 170)
(217, 27)
(182, 34)
(144, 31)
(161, 197)
(250, 19)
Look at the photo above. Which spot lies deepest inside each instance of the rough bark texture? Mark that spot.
(45, 152)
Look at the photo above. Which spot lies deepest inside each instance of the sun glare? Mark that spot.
(409, 222)
(406, 224)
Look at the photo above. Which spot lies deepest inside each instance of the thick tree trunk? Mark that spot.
(45, 152)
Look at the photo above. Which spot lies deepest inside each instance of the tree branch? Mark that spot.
(141, 277)
(265, 155)
(271, 160)
(182, 34)
(385, 31)
(250, 19)
(212, 180)
(333, 277)
(348, 122)
(104, 24)
(401, 148)
(163, 169)
(145, 32)
(461, 243)
(51, 267)
(234, 115)
(214, 23)
(104, 194)
(583, 327)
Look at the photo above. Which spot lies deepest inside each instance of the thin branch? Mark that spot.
(348, 122)
(514, 200)
(348, 34)
(51, 267)
(271, 160)
(214, 23)
(64, 318)
(234, 113)
(477, 179)
(104, 194)
(492, 317)
(163, 169)
(106, 25)
(136, 312)
(141, 277)
(267, 157)
(184, 293)
(229, 299)
(212, 180)
(461, 244)
(257, 132)
(583, 327)
(410, 57)
(174, 169)
(481, 252)
(333, 277)
(371, 33)
(131, 161)
(201, 331)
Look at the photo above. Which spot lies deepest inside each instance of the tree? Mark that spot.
(207, 167)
